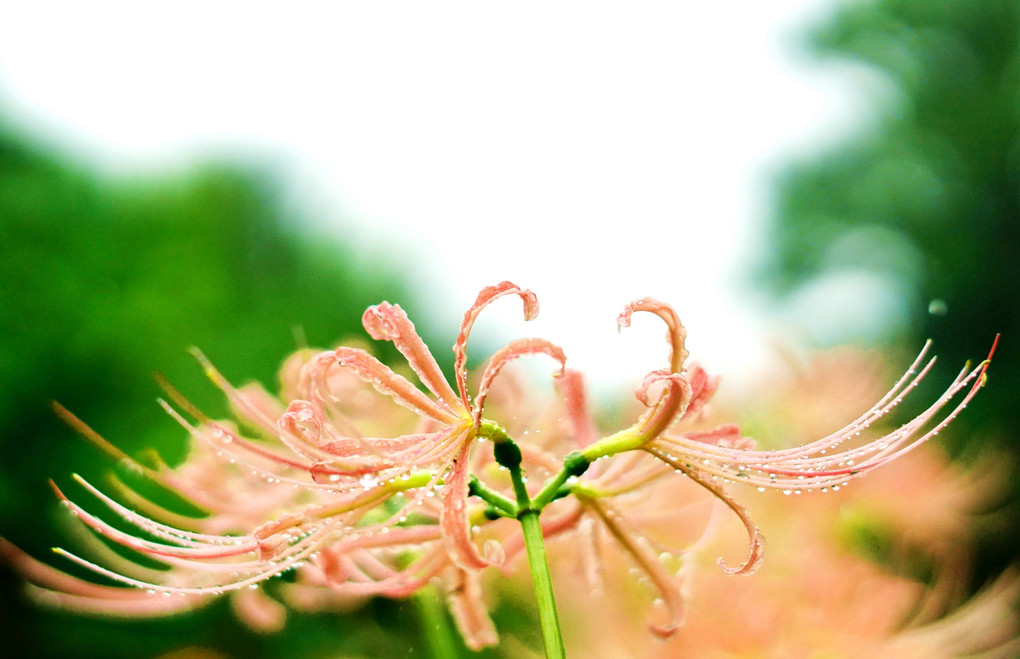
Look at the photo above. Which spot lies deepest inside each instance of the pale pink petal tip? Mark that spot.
(753, 560)
(377, 324)
(676, 335)
(388, 322)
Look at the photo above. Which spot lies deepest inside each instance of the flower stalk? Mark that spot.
(508, 455)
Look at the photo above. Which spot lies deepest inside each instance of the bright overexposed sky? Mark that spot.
(594, 152)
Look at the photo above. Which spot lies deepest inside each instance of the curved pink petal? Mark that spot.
(513, 350)
(671, 405)
(387, 382)
(703, 387)
(454, 517)
(677, 331)
(305, 430)
(648, 560)
(756, 552)
(817, 464)
(313, 383)
(487, 295)
(402, 583)
(388, 322)
(404, 450)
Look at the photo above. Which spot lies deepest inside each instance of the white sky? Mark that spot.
(593, 152)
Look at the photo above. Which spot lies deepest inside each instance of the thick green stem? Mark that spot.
(542, 582)
(508, 454)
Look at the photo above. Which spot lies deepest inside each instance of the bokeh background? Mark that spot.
(799, 175)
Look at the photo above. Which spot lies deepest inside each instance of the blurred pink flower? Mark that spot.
(819, 593)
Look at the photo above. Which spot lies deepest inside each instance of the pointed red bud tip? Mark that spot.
(995, 344)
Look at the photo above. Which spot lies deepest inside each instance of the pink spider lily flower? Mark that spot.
(321, 481)
(455, 421)
(722, 455)
(347, 568)
(610, 499)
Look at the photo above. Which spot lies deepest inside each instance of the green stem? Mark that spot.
(542, 582)
(574, 464)
(435, 626)
(502, 505)
(508, 454)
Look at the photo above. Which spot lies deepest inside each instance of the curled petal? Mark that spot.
(388, 322)
(303, 419)
(385, 381)
(703, 387)
(510, 351)
(487, 295)
(757, 542)
(670, 406)
(677, 332)
(454, 517)
(672, 599)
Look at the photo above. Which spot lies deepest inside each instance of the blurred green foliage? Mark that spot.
(105, 281)
(927, 195)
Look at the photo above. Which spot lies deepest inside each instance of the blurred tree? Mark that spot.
(105, 282)
(928, 194)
